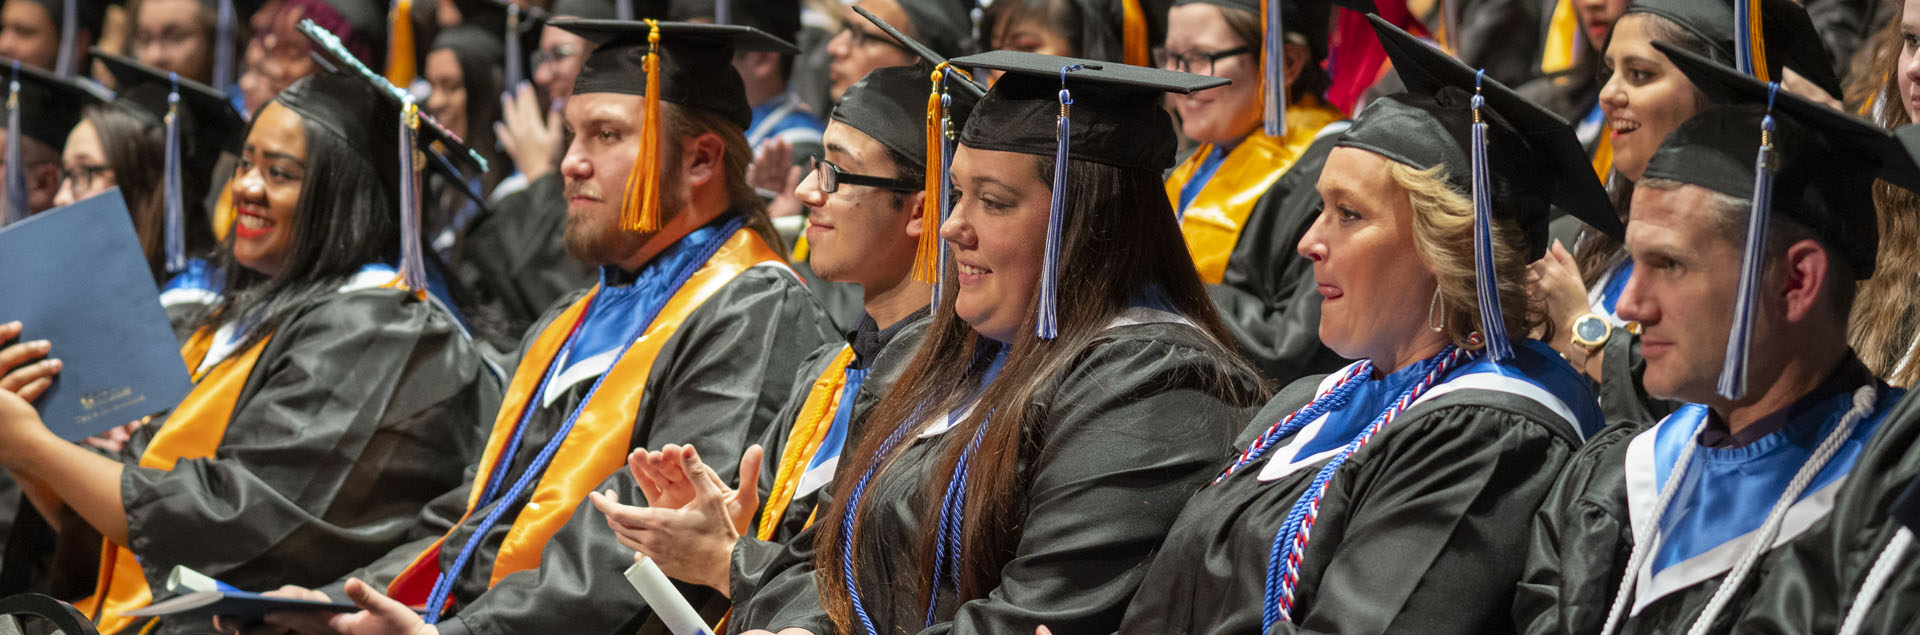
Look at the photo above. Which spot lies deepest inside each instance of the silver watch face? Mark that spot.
(1590, 328)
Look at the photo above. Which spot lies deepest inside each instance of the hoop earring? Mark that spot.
(1432, 310)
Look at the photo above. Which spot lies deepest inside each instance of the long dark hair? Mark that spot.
(1598, 253)
(1120, 242)
(135, 150)
(344, 220)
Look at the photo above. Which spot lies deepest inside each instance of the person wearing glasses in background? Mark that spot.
(861, 47)
(1252, 181)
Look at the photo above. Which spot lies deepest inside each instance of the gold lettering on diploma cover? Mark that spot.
(100, 402)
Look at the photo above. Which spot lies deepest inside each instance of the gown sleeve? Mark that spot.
(1267, 294)
(1437, 546)
(1579, 543)
(359, 411)
(1132, 432)
(1622, 397)
(717, 386)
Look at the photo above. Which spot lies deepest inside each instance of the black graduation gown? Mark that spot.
(1809, 585)
(1267, 294)
(716, 384)
(892, 349)
(1129, 433)
(513, 259)
(361, 409)
(1581, 541)
(1420, 531)
(1622, 397)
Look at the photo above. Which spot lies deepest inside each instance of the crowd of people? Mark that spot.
(1123, 316)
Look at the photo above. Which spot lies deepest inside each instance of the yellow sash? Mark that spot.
(192, 431)
(1213, 220)
(1563, 34)
(809, 429)
(598, 443)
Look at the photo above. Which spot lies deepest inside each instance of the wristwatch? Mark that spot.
(1590, 331)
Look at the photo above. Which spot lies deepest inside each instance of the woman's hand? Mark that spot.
(380, 615)
(1797, 84)
(116, 439)
(1554, 281)
(20, 373)
(298, 622)
(692, 519)
(534, 139)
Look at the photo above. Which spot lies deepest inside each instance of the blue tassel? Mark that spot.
(69, 23)
(1742, 42)
(1048, 325)
(623, 10)
(946, 190)
(1273, 62)
(176, 229)
(413, 269)
(1733, 375)
(722, 12)
(1487, 282)
(223, 47)
(16, 174)
(515, 71)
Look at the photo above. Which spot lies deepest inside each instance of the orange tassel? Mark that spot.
(1754, 35)
(1133, 33)
(400, 69)
(640, 207)
(926, 263)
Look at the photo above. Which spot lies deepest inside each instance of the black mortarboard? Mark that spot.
(778, 18)
(1821, 165)
(929, 57)
(1514, 159)
(696, 62)
(583, 9)
(42, 107)
(1070, 108)
(199, 124)
(68, 17)
(380, 122)
(890, 105)
(1788, 37)
(689, 65)
(944, 25)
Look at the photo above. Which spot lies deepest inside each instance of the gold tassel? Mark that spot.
(400, 69)
(640, 207)
(926, 262)
(1133, 33)
(1759, 42)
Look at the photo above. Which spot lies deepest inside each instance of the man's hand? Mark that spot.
(296, 622)
(380, 615)
(531, 137)
(692, 519)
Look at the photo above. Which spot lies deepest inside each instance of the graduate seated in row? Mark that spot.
(1394, 495)
(692, 336)
(1073, 389)
(331, 400)
(1744, 286)
(868, 202)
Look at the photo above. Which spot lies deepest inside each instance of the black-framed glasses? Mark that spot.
(830, 177)
(1199, 61)
(862, 38)
(83, 176)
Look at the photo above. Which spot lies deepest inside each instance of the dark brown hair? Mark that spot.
(681, 124)
(1120, 243)
(135, 150)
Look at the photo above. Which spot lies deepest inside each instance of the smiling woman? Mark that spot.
(319, 381)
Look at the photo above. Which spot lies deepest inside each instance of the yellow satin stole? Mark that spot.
(1213, 220)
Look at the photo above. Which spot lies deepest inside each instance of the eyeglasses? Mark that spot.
(81, 177)
(1199, 61)
(554, 53)
(862, 38)
(830, 177)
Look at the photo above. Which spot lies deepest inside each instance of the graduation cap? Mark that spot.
(200, 124)
(44, 108)
(1758, 37)
(1310, 19)
(1820, 163)
(779, 18)
(689, 65)
(928, 56)
(340, 102)
(227, 15)
(1494, 144)
(943, 25)
(584, 9)
(1033, 110)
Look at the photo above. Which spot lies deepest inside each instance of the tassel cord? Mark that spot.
(1486, 279)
